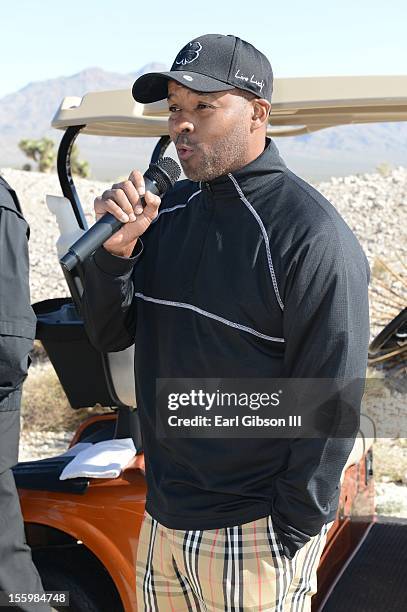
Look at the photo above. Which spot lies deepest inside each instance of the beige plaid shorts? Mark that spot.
(234, 569)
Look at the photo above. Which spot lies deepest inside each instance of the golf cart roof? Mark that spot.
(299, 106)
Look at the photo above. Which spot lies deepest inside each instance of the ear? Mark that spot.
(260, 113)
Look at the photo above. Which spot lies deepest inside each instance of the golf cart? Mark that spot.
(84, 531)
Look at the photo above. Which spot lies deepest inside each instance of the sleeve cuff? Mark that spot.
(290, 544)
(116, 265)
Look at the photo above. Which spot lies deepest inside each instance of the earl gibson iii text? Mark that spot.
(243, 408)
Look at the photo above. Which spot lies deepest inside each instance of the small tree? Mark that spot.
(41, 151)
(79, 167)
(384, 169)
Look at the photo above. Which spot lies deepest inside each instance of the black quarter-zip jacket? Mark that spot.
(253, 274)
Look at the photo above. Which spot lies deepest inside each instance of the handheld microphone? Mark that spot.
(158, 179)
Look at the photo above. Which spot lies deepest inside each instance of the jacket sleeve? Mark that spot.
(326, 329)
(108, 304)
(17, 319)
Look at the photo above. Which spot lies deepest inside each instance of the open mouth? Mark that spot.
(184, 152)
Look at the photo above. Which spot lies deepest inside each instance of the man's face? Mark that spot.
(211, 131)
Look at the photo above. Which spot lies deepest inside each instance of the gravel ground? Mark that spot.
(42, 444)
(32, 187)
(374, 206)
(391, 499)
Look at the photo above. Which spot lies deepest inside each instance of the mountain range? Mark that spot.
(28, 112)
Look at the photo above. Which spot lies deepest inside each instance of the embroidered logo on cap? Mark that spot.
(189, 53)
(187, 77)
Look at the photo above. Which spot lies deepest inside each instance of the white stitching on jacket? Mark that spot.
(193, 195)
(266, 238)
(210, 315)
(165, 210)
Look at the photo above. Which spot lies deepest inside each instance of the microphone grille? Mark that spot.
(165, 173)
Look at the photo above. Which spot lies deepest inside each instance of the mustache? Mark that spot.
(183, 139)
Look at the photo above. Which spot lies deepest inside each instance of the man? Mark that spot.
(17, 332)
(242, 271)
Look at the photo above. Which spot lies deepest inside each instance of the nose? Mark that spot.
(182, 125)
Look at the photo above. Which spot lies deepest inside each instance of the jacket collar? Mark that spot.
(268, 162)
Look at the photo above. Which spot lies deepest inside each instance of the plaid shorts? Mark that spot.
(234, 569)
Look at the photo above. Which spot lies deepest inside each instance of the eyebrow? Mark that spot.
(198, 93)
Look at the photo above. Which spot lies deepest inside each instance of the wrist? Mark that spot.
(126, 252)
(116, 265)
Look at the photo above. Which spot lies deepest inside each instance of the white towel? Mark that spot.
(101, 460)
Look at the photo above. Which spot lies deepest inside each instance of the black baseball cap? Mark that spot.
(212, 62)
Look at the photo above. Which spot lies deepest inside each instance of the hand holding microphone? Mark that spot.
(124, 212)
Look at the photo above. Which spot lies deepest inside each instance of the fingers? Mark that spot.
(120, 197)
(103, 206)
(137, 179)
(152, 204)
(132, 194)
(123, 201)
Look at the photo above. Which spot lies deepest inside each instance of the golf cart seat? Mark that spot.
(88, 378)
(43, 475)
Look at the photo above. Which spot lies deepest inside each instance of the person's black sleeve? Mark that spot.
(17, 319)
(108, 307)
(326, 329)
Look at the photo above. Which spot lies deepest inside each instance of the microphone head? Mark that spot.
(165, 173)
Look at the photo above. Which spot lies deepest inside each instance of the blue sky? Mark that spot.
(49, 38)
